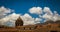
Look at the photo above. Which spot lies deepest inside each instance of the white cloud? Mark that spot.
(56, 16)
(37, 20)
(9, 20)
(47, 10)
(49, 15)
(46, 13)
(35, 10)
(4, 11)
(28, 20)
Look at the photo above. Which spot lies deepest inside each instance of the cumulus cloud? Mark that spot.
(28, 20)
(56, 16)
(49, 15)
(46, 13)
(4, 11)
(47, 10)
(9, 20)
(35, 10)
(37, 20)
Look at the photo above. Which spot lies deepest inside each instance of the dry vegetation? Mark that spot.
(48, 26)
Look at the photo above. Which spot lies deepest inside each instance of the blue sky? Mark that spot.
(22, 6)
